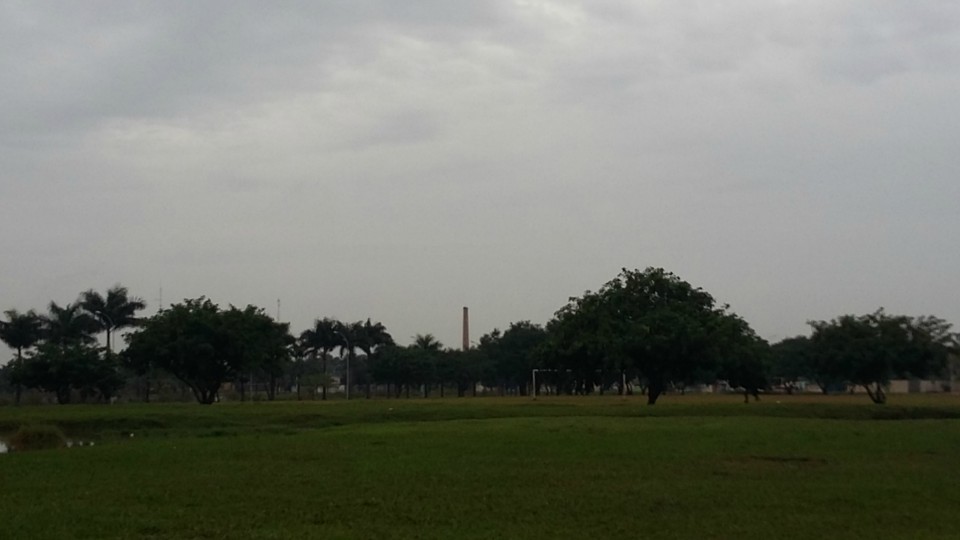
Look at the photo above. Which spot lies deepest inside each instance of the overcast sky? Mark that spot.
(399, 160)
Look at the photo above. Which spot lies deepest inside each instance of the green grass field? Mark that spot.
(689, 467)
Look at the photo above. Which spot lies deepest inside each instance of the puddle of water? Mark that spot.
(70, 444)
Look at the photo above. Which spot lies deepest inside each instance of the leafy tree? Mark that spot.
(204, 346)
(76, 366)
(321, 340)
(870, 350)
(653, 321)
(464, 368)
(791, 360)
(20, 331)
(257, 344)
(114, 311)
(747, 362)
(513, 354)
(395, 366)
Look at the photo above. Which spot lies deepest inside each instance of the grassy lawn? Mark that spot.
(691, 467)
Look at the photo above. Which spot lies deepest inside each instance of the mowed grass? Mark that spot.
(691, 467)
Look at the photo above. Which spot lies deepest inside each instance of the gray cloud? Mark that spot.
(399, 160)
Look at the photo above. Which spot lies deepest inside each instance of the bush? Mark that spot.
(40, 437)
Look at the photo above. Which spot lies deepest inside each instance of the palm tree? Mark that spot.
(370, 337)
(115, 311)
(426, 342)
(20, 331)
(350, 335)
(322, 339)
(68, 325)
(429, 349)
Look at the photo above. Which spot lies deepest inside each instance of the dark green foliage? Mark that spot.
(747, 362)
(37, 437)
(69, 325)
(512, 355)
(320, 341)
(371, 338)
(204, 346)
(870, 350)
(61, 369)
(114, 311)
(652, 322)
(20, 332)
(791, 360)
(66, 359)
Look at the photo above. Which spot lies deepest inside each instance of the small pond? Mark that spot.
(71, 443)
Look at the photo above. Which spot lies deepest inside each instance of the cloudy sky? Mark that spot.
(400, 160)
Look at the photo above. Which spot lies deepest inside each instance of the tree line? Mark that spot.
(644, 331)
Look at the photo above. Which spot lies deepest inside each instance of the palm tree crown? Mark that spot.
(68, 325)
(115, 311)
(371, 336)
(21, 330)
(426, 342)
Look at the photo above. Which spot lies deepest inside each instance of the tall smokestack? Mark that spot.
(466, 329)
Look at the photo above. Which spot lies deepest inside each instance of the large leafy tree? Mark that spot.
(321, 340)
(204, 346)
(869, 350)
(745, 360)
(21, 331)
(258, 344)
(513, 354)
(60, 369)
(652, 321)
(113, 311)
(791, 361)
(395, 366)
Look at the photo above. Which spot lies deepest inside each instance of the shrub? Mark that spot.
(39, 437)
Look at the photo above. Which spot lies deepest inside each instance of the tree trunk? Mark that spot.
(324, 394)
(272, 389)
(879, 396)
(653, 392)
(19, 386)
